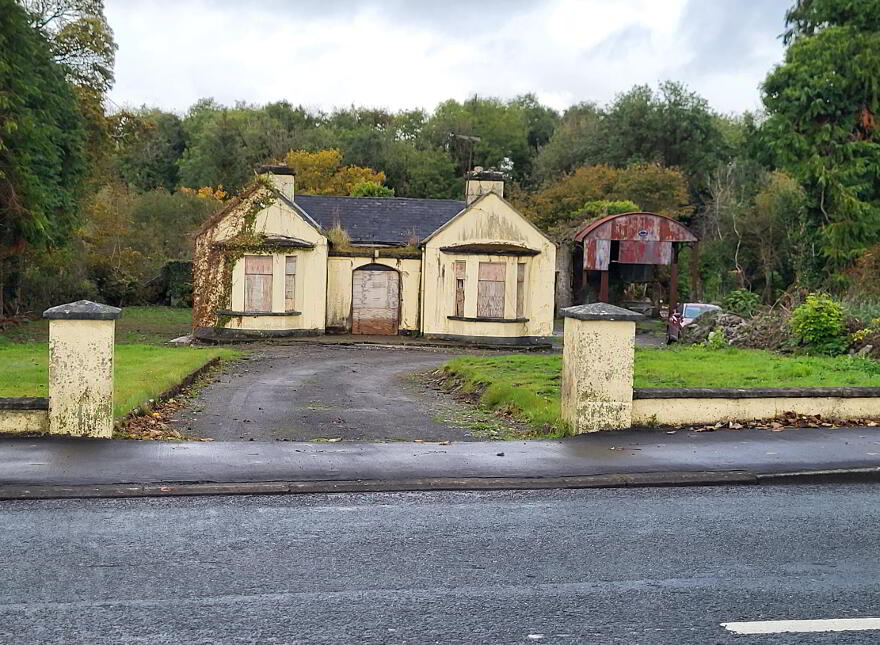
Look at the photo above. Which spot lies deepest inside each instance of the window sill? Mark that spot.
(227, 312)
(482, 319)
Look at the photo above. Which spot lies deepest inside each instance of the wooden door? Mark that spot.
(375, 302)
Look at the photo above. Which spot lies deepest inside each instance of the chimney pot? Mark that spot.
(480, 182)
(281, 177)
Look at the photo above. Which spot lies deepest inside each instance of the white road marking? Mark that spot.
(795, 626)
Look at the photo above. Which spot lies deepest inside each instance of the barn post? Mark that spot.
(673, 281)
(597, 367)
(81, 338)
(603, 286)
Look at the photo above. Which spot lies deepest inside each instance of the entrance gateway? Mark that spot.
(375, 300)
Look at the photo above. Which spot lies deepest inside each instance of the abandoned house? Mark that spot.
(274, 263)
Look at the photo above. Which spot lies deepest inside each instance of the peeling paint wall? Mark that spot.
(490, 220)
(339, 282)
(597, 374)
(81, 377)
(24, 421)
(684, 411)
(249, 219)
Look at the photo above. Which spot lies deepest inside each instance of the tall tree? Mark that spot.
(80, 39)
(573, 143)
(672, 126)
(42, 160)
(150, 143)
(822, 126)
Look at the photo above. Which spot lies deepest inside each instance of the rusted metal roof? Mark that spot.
(636, 226)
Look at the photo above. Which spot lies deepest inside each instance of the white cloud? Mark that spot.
(398, 54)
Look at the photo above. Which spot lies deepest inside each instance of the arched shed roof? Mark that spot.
(636, 226)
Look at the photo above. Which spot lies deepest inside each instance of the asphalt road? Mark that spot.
(586, 566)
(302, 392)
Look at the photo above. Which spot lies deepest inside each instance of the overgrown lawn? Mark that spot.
(142, 372)
(138, 325)
(528, 385)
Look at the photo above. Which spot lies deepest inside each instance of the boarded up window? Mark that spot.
(490, 290)
(459, 288)
(290, 283)
(520, 289)
(258, 283)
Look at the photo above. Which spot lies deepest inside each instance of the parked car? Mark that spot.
(685, 314)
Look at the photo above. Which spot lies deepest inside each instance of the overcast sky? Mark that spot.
(404, 54)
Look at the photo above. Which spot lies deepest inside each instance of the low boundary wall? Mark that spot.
(24, 415)
(685, 406)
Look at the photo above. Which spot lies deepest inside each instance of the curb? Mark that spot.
(170, 489)
(618, 480)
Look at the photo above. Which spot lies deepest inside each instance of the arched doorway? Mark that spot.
(375, 300)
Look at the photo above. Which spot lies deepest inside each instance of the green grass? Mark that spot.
(137, 326)
(142, 372)
(529, 385)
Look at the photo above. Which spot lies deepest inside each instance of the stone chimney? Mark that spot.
(281, 177)
(480, 182)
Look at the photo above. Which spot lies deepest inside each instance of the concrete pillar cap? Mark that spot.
(600, 311)
(83, 310)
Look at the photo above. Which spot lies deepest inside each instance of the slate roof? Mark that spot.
(390, 220)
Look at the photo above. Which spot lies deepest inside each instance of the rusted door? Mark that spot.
(375, 302)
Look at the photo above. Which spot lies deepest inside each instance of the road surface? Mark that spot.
(663, 565)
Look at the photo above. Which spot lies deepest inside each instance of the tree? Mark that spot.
(42, 160)
(216, 154)
(752, 231)
(822, 104)
(323, 173)
(80, 39)
(371, 189)
(482, 132)
(150, 145)
(572, 144)
(673, 127)
(654, 188)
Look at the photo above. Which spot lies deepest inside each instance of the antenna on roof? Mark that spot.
(469, 141)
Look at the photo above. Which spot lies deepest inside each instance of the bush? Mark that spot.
(819, 324)
(716, 339)
(742, 302)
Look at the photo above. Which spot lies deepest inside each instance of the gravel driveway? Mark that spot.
(302, 392)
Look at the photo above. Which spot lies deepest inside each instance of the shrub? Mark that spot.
(742, 302)
(819, 324)
(716, 339)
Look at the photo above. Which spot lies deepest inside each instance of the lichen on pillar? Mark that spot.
(81, 340)
(597, 367)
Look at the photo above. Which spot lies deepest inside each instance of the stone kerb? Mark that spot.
(81, 339)
(597, 367)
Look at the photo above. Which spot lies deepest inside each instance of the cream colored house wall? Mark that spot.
(339, 280)
(489, 220)
(311, 272)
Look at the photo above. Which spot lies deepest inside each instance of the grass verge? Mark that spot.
(142, 372)
(529, 386)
